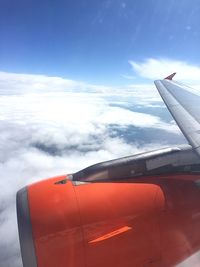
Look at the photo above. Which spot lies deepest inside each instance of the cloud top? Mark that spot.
(51, 125)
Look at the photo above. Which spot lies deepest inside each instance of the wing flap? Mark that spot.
(184, 106)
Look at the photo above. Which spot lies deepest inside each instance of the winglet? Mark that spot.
(170, 77)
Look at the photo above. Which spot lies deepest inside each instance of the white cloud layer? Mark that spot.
(50, 125)
(160, 68)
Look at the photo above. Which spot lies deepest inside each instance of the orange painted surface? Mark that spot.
(106, 207)
(146, 221)
(56, 224)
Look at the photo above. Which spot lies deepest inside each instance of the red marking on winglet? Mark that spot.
(170, 77)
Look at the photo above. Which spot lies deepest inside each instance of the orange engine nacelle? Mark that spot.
(130, 223)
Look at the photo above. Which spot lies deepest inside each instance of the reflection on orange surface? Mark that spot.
(111, 234)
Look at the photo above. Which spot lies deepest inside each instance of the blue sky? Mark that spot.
(76, 87)
(94, 40)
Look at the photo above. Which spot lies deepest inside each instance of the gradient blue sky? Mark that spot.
(94, 40)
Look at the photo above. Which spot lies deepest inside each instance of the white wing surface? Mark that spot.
(184, 105)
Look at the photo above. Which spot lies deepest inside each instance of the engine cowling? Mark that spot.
(62, 223)
(141, 210)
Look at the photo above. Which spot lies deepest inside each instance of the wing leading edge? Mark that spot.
(184, 105)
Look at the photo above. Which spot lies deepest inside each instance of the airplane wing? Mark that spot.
(184, 105)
